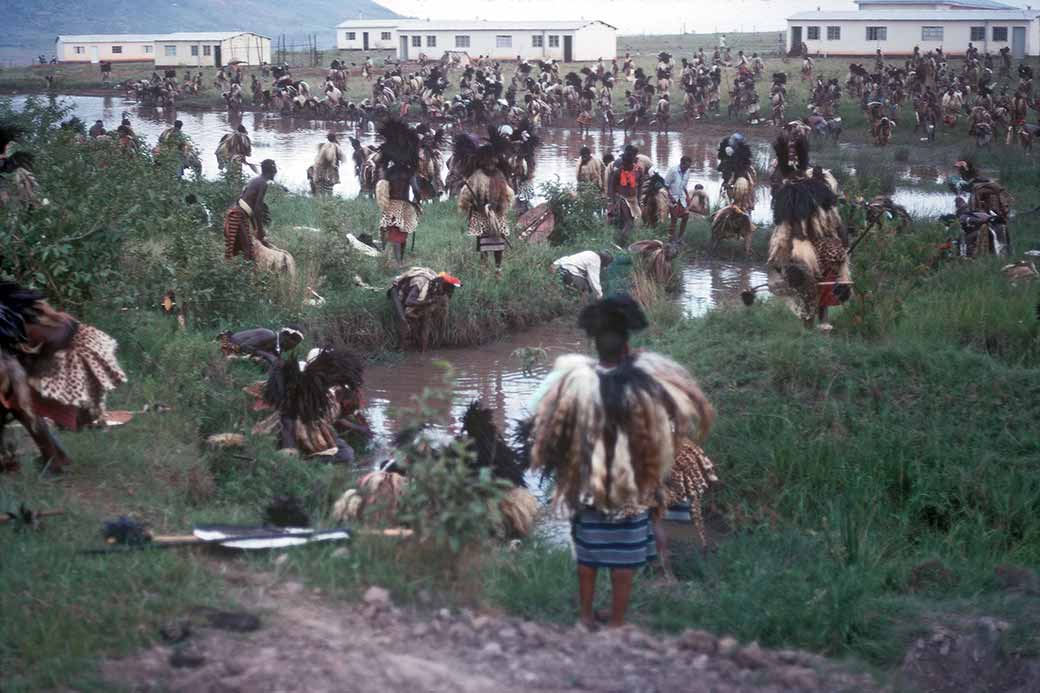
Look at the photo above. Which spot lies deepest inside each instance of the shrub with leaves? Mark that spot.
(577, 211)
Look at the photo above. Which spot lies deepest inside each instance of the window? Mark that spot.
(978, 33)
(834, 33)
(931, 33)
(537, 41)
(813, 33)
(877, 33)
(554, 42)
(79, 50)
(417, 42)
(207, 50)
(431, 41)
(503, 41)
(1000, 33)
(462, 41)
(117, 49)
(194, 51)
(170, 51)
(385, 36)
(147, 49)
(352, 36)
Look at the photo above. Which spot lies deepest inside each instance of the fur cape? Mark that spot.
(608, 436)
(469, 153)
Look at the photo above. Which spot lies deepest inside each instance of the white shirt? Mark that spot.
(585, 264)
(677, 181)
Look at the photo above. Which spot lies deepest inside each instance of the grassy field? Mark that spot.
(849, 460)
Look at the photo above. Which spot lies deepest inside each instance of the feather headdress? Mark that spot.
(302, 393)
(734, 155)
(478, 424)
(573, 79)
(400, 146)
(17, 308)
(792, 153)
(470, 154)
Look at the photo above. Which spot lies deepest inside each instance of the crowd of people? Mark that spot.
(619, 432)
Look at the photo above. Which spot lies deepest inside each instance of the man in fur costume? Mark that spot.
(808, 263)
(590, 170)
(606, 429)
(420, 298)
(306, 398)
(52, 366)
(486, 196)
(326, 165)
(624, 181)
(738, 185)
(431, 161)
(234, 148)
(397, 192)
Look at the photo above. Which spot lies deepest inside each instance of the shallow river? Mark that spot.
(293, 142)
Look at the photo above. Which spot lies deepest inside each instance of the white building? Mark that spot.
(209, 49)
(572, 41)
(897, 26)
(97, 47)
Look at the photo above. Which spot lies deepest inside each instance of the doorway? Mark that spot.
(402, 53)
(796, 41)
(568, 49)
(216, 57)
(1018, 42)
(364, 40)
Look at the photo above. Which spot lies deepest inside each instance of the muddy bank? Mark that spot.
(304, 642)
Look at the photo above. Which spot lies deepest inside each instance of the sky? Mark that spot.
(634, 16)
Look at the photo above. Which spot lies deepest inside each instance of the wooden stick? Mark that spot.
(43, 513)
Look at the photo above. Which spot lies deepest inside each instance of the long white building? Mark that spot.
(569, 41)
(188, 49)
(897, 26)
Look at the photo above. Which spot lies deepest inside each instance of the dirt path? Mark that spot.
(305, 642)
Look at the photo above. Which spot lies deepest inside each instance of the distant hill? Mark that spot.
(32, 25)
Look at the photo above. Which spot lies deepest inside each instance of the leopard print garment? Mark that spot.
(691, 476)
(82, 374)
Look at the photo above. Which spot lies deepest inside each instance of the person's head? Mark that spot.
(585, 153)
(177, 124)
(268, 169)
(698, 187)
(241, 129)
(609, 322)
(628, 156)
(332, 137)
(125, 123)
(685, 163)
(605, 258)
(446, 284)
(289, 338)
(99, 122)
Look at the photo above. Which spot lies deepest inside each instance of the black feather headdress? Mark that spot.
(792, 154)
(17, 308)
(400, 146)
(618, 314)
(573, 79)
(302, 393)
(734, 155)
(478, 424)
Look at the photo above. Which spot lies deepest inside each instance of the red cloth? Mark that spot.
(64, 415)
(827, 297)
(396, 235)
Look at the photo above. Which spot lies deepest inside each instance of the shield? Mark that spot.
(536, 224)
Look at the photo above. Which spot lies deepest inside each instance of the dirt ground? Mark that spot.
(305, 642)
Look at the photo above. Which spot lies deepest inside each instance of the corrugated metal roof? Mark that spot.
(202, 35)
(977, 4)
(107, 38)
(468, 25)
(919, 15)
(151, 38)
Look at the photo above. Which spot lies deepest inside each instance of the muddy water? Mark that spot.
(292, 142)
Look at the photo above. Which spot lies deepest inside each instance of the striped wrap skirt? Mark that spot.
(604, 541)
